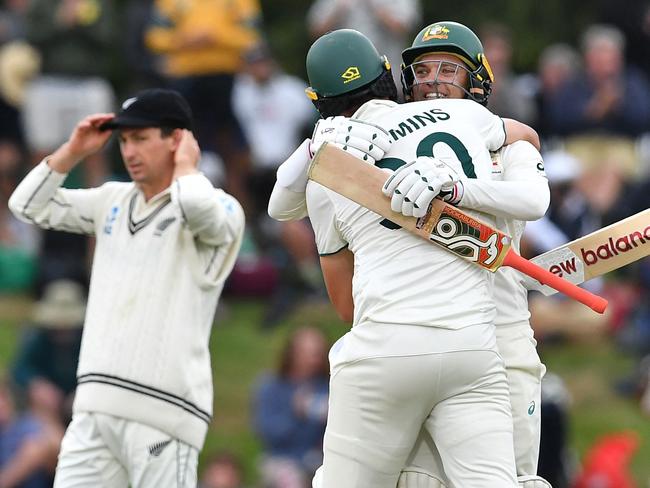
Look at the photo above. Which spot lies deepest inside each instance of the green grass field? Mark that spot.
(242, 350)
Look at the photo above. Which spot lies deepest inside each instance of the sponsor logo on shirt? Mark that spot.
(157, 448)
(110, 220)
(162, 225)
(227, 204)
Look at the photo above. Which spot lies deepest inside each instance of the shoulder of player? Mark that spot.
(519, 150)
(373, 109)
(110, 189)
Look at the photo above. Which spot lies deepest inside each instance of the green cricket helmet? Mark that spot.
(448, 37)
(345, 70)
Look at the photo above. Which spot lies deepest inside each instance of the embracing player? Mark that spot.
(464, 303)
(519, 192)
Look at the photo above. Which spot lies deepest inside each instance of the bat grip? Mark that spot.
(595, 302)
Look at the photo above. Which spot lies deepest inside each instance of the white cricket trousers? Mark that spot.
(378, 405)
(524, 370)
(102, 451)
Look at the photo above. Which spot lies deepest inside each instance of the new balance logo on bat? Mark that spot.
(615, 247)
(566, 267)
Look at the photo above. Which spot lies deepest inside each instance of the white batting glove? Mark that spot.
(361, 139)
(413, 186)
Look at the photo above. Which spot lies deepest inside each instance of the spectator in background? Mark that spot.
(18, 241)
(509, 97)
(607, 96)
(570, 216)
(222, 471)
(290, 411)
(387, 23)
(569, 210)
(276, 115)
(75, 39)
(634, 21)
(143, 64)
(557, 64)
(17, 65)
(46, 361)
(27, 448)
(12, 20)
(201, 46)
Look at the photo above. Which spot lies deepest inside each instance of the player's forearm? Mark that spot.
(213, 216)
(287, 201)
(63, 160)
(517, 131)
(287, 205)
(338, 271)
(35, 191)
(522, 200)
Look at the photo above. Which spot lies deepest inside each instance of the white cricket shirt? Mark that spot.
(158, 270)
(400, 278)
(522, 194)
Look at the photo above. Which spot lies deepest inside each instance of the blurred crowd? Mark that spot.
(58, 63)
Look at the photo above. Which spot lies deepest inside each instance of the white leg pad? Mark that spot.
(533, 482)
(418, 478)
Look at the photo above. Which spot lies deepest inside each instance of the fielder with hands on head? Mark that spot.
(519, 192)
(407, 330)
(165, 244)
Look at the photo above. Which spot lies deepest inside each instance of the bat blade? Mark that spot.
(444, 225)
(600, 252)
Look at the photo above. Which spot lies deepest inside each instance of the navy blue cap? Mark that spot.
(155, 107)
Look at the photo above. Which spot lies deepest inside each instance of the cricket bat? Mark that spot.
(444, 224)
(595, 254)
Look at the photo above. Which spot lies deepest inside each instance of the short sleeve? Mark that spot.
(322, 214)
(490, 126)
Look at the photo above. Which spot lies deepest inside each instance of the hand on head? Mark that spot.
(187, 156)
(87, 138)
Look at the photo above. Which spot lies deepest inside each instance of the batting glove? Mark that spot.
(361, 139)
(413, 186)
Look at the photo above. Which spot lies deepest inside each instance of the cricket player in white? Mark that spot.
(165, 244)
(392, 318)
(522, 194)
(422, 349)
(518, 193)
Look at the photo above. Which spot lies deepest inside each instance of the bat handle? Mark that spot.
(595, 302)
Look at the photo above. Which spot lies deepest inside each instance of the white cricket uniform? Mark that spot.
(158, 271)
(515, 339)
(422, 337)
(521, 194)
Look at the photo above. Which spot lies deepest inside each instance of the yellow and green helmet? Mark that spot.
(343, 66)
(449, 37)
